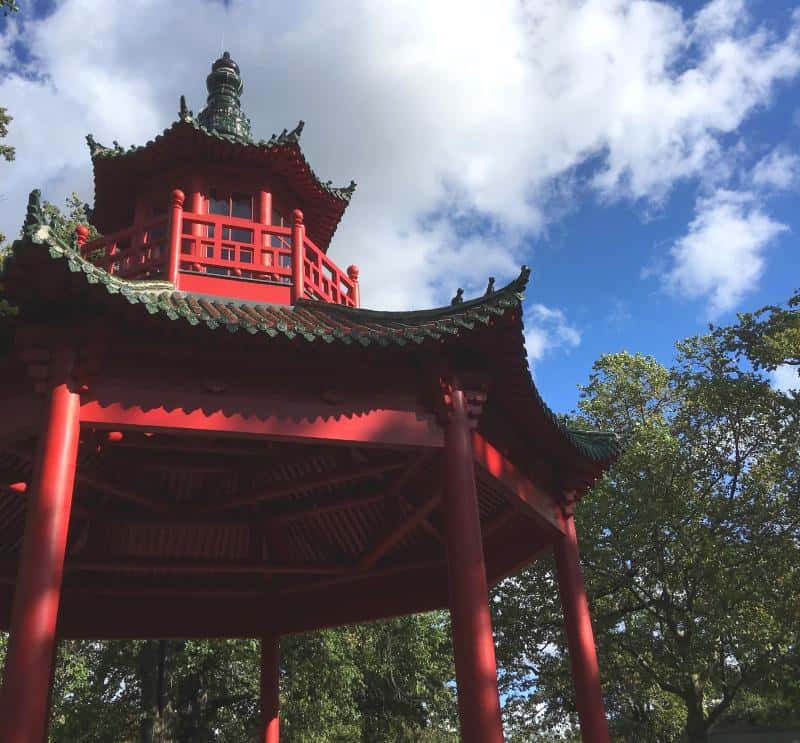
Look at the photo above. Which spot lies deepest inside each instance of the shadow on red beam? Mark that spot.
(525, 494)
(380, 427)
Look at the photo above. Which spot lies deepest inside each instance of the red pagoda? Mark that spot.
(204, 435)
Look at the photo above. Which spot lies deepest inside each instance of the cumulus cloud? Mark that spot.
(721, 257)
(547, 329)
(444, 125)
(779, 169)
(785, 378)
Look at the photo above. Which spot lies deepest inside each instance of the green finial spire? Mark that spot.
(223, 112)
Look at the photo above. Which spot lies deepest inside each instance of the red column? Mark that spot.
(196, 205)
(580, 638)
(270, 688)
(265, 207)
(473, 644)
(175, 234)
(298, 256)
(24, 697)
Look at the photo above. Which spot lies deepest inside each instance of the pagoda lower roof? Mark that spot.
(186, 139)
(43, 274)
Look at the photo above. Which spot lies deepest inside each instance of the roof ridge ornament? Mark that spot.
(184, 112)
(223, 112)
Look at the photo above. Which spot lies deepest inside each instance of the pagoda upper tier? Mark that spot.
(214, 212)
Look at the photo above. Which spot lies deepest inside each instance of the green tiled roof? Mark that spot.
(187, 119)
(322, 322)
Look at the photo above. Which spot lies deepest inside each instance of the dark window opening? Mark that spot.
(239, 205)
(278, 220)
(237, 234)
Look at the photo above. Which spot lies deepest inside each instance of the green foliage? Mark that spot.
(768, 337)
(63, 224)
(6, 151)
(9, 6)
(382, 682)
(689, 552)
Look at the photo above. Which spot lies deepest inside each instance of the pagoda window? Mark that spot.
(279, 241)
(237, 205)
(237, 234)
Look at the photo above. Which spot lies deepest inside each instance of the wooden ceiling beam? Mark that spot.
(196, 567)
(395, 531)
(103, 485)
(316, 482)
(519, 490)
(398, 532)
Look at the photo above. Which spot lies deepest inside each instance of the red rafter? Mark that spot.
(295, 486)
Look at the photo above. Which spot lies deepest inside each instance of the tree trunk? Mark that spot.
(153, 676)
(696, 723)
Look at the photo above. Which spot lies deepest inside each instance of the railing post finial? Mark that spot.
(355, 292)
(81, 235)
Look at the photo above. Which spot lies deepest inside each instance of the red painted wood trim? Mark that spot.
(385, 427)
(524, 492)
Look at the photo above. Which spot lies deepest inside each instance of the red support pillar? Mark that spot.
(265, 207)
(298, 256)
(270, 689)
(27, 675)
(473, 644)
(175, 236)
(580, 638)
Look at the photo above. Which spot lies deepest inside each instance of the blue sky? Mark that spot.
(640, 156)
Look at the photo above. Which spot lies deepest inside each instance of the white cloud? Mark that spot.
(547, 329)
(785, 378)
(721, 257)
(779, 169)
(478, 118)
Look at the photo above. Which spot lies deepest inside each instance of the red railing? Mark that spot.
(237, 248)
(138, 252)
(217, 245)
(323, 279)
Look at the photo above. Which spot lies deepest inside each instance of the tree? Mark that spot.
(688, 549)
(6, 151)
(769, 337)
(382, 682)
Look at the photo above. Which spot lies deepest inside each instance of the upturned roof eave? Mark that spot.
(287, 139)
